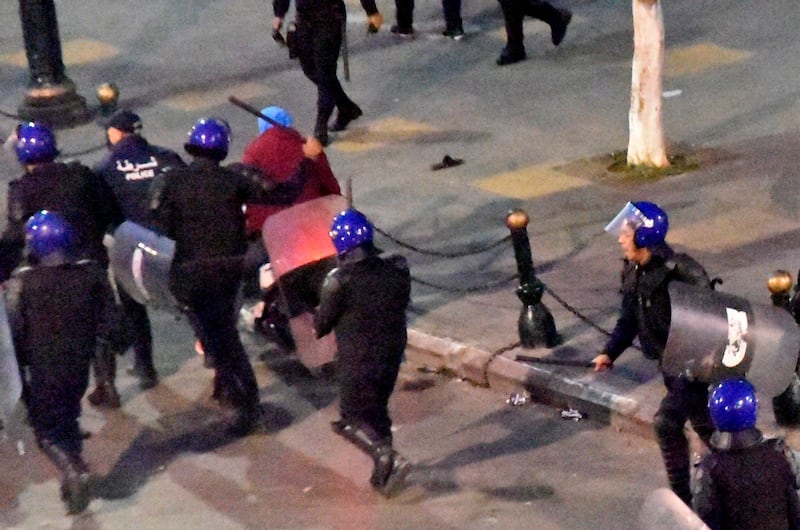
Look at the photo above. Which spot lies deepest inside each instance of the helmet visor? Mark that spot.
(630, 217)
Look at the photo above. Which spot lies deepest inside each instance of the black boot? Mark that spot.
(105, 370)
(558, 25)
(390, 469)
(75, 477)
(345, 116)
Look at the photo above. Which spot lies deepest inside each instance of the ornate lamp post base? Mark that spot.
(57, 105)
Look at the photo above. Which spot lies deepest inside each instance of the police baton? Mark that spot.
(559, 362)
(254, 111)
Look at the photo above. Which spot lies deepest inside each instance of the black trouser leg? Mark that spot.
(684, 400)
(513, 14)
(105, 372)
(452, 14)
(75, 476)
(405, 14)
(136, 315)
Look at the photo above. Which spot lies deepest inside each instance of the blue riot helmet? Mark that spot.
(276, 114)
(350, 229)
(209, 137)
(35, 143)
(647, 220)
(47, 232)
(733, 405)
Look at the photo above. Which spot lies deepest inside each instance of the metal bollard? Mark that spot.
(108, 95)
(536, 324)
(779, 284)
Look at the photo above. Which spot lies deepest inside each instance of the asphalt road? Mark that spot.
(526, 133)
(479, 462)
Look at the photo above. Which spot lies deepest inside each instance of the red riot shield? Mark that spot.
(301, 253)
(716, 335)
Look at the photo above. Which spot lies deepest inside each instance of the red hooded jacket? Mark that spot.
(277, 151)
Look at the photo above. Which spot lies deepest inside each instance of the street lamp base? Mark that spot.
(57, 106)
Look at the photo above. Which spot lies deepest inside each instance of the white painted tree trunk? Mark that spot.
(646, 140)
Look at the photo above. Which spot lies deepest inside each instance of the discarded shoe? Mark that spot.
(559, 27)
(511, 56)
(344, 118)
(447, 162)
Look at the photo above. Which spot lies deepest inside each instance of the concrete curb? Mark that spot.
(569, 388)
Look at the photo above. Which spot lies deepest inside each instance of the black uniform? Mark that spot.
(646, 313)
(129, 171)
(85, 201)
(58, 314)
(365, 300)
(201, 209)
(88, 205)
(747, 482)
(319, 26)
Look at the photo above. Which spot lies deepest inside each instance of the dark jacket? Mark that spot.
(277, 152)
(365, 300)
(747, 482)
(130, 168)
(85, 201)
(57, 314)
(200, 207)
(646, 308)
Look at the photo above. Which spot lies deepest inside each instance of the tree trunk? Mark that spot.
(646, 141)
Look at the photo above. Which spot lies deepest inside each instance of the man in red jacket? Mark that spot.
(277, 151)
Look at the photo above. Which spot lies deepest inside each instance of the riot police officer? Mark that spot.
(59, 310)
(365, 299)
(650, 265)
(746, 481)
(317, 41)
(201, 208)
(87, 204)
(129, 169)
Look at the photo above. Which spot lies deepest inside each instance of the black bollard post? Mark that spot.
(785, 406)
(50, 97)
(536, 324)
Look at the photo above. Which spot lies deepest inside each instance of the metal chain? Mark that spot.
(9, 115)
(442, 254)
(575, 312)
(484, 287)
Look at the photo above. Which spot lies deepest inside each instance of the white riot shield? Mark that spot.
(141, 260)
(10, 382)
(301, 254)
(715, 335)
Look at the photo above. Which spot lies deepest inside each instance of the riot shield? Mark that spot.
(141, 260)
(716, 335)
(10, 382)
(301, 253)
